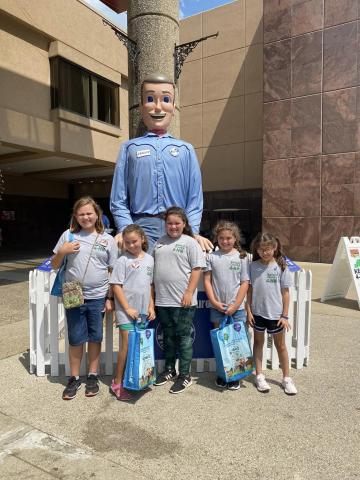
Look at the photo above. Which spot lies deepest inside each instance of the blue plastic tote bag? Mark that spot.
(140, 362)
(232, 350)
(56, 289)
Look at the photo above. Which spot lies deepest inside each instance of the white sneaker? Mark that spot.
(289, 386)
(261, 383)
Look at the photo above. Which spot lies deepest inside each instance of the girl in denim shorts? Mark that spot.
(226, 281)
(89, 258)
(268, 305)
(131, 280)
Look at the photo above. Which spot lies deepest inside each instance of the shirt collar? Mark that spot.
(152, 134)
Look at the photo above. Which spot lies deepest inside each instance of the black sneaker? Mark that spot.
(181, 383)
(165, 377)
(92, 386)
(234, 385)
(219, 382)
(71, 389)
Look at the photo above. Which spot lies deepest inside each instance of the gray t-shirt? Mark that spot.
(267, 281)
(103, 256)
(228, 271)
(175, 258)
(136, 277)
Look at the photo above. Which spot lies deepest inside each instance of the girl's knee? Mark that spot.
(280, 343)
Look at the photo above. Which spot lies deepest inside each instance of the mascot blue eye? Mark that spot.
(149, 99)
(166, 99)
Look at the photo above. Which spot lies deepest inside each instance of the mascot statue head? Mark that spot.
(157, 102)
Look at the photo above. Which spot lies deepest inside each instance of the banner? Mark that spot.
(200, 332)
(345, 270)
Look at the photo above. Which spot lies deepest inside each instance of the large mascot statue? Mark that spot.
(156, 171)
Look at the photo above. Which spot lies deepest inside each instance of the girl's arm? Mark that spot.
(151, 307)
(241, 294)
(109, 302)
(120, 295)
(210, 293)
(284, 319)
(250, 316)
(193, 281)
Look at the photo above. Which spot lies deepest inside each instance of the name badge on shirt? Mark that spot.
(174, 151)
(143, 153)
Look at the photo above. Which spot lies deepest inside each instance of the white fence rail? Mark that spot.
(49, 345)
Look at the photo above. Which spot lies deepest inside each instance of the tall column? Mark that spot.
(154, 26)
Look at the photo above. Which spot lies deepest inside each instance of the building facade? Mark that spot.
(270, 106)
(311, 124)
(221, 87)
(63, 114)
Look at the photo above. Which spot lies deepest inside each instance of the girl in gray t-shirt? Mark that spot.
(268, 305)
(226, 281)
(178, 264)
(90, 254)
(131, 280)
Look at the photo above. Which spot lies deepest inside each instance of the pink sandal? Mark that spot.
(119, 391)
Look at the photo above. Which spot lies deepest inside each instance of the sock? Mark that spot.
(92, 374)
(77, 377)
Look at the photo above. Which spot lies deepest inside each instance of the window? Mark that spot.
(75, 89)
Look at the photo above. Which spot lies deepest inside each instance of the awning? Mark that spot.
(118, 6)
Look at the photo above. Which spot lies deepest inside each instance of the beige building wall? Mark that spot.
(31, 32)
(222, 94)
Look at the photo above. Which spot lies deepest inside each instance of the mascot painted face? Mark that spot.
(157, 105)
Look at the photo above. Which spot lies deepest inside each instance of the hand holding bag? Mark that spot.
(232, 350)
(72, 292)
(140, 362)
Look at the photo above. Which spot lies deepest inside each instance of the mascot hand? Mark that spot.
(119, 240)
(205, 244)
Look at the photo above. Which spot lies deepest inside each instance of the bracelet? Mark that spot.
(109, 298)
(284, 316)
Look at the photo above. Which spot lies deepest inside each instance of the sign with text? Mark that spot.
(345, 270)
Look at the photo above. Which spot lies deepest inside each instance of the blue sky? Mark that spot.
(187, 8)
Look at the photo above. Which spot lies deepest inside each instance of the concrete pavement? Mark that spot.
(203, 433)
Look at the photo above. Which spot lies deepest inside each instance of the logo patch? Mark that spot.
(143, 153)
(174, 151)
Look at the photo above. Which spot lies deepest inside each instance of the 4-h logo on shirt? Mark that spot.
(235, 266)
(272, 277)
(178, 248)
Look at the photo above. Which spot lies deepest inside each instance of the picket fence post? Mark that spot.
(48, 327)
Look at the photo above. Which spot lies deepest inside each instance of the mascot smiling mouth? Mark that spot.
(159, 116)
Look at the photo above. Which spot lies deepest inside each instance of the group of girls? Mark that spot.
(164, 284)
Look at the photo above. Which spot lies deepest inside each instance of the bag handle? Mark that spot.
(227, 320)
(70, 239)
(92, 248)
(144, 322)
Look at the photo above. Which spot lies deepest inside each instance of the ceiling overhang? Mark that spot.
(118, 6)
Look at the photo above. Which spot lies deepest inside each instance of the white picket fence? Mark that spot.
(49, 345)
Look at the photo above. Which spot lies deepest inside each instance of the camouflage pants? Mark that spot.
(176, 323)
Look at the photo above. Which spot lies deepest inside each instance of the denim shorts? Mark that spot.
(85, 323)
(217, 317)
(261, 324)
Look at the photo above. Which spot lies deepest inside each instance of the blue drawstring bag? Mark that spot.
(56, 289)
(140, 361)
(232, 350)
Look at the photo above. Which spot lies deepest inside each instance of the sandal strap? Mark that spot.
(116, 386)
